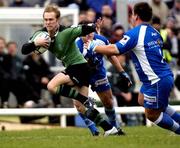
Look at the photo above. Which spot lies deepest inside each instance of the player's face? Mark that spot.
(88, 37)
(12, 49)
(50, 21)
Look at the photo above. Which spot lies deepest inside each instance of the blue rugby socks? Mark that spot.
(111, 116)
(90, 124)
(166, 122)
(173, 114)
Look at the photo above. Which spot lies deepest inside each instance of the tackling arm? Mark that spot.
(108, 50)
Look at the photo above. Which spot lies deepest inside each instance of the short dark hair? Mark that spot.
(143, 10)
(10, 43)
(156, 20)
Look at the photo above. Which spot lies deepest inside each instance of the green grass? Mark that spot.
(137, 137)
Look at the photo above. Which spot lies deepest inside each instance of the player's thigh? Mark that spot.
(83, 90)
(57, 80)
(79, 74)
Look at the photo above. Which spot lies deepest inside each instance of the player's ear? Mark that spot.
(136, 17)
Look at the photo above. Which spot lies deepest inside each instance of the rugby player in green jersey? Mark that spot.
(77, 72)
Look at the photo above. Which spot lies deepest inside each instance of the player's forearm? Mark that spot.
(107, 49)
(114, 61)
(28, 48)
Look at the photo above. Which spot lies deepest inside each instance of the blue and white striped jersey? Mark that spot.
(145, 44)
(88, 53)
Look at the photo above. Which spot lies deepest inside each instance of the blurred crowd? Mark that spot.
(27, 77)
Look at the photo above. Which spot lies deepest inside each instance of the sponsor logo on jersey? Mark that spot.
(153, 34)
(155, 44)
(124, 40)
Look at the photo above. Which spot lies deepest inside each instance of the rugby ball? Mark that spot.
(41, 34)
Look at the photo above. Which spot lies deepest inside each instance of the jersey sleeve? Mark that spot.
(82, 30)
(73, 32)
(128, 42)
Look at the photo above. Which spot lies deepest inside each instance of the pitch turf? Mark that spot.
(137, 137)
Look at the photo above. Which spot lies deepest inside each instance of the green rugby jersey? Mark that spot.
(64, 47)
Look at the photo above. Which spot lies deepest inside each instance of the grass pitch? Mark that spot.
(72, 137)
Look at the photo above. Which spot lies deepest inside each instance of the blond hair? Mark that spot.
(52, 8)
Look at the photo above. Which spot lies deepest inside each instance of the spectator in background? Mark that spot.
(172, 34)
(160, 9)
(106, 26)
(108, 12)
(116, 33)
(11, 75)
(64, 3)
(37, 72)
(82, 16)
(25, 93)
(175, 12)
(82, 5)
(17, 80)
(19, 3)
(16, 60)
(5, 64)
(90, 15)
(3, 3)
(169, 3)
(156, 23)
(97, 5)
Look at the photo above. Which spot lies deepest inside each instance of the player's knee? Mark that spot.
(107, 101)
(50, 87)
(152, 115)
(108, 105)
